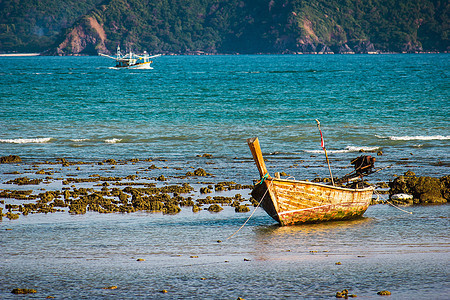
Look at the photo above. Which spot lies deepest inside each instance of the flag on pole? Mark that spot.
(322, 143)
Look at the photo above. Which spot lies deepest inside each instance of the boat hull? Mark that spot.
(140, 66)
(292, 202)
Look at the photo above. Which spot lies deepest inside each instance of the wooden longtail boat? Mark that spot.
(294, 202)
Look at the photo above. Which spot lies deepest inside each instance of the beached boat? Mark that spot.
(131, 60)
(294, 201)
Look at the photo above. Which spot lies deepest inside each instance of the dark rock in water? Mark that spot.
(23, 291)
(200, 172)
(10, 159)
(384, 293)
(170, 208)
(12, 216)
(215, 208)
(24, 181)
(445, 187)
(345, 294)
(113, 287)
(242, 209)
(423, 189)
(205, 190)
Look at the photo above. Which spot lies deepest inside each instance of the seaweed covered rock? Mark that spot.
(23, 291)
(24, 181)
(241, 209)
(171, 208)
(384, 293)
(205, 190)
(215, 208)
(445, 187)
(10, 159)
(345, 294)
(424, 189)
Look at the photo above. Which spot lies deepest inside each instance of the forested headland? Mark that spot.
(86, 27)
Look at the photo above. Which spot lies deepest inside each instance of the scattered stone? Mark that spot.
(384, 293)
(205, 190)
(242, 209)
(200, 172)
(23, 291)
(171, 208)
(345, 294)
(12, 216)
(215, 208)
(410, 173)
(113, 287)
(10, 159)
(24, 181)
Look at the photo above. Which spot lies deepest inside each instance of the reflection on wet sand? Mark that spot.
(321, 239)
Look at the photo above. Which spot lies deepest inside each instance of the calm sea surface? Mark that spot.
(78, 109)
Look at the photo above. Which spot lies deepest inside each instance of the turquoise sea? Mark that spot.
(78, 109)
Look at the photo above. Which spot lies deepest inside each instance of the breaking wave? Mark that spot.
(113, 141)
(416, 138)
(347, 149)
(26, 141)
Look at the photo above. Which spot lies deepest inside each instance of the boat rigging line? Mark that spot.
(322, 144)
(259, 203)
(390, 203)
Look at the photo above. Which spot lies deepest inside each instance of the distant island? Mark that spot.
(88, 27)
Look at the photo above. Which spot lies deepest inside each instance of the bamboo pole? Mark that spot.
(322, 144)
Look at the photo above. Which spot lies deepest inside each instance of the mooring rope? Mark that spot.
(390, 203)
(260, 182)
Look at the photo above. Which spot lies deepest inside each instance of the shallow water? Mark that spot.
(72, 256)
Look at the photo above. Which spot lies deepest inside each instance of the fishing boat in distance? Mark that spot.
(292, 202)
(131, 60)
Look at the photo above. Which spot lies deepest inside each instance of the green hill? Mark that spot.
(224, 26)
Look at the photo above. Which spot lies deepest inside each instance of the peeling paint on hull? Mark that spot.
(292, 202)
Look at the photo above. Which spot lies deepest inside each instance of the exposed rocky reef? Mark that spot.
(423, 189)
(114, 194)
(10, 159)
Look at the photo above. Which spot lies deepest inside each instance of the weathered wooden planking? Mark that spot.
(293, 201)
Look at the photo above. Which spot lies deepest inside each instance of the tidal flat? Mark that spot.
(91, 232)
